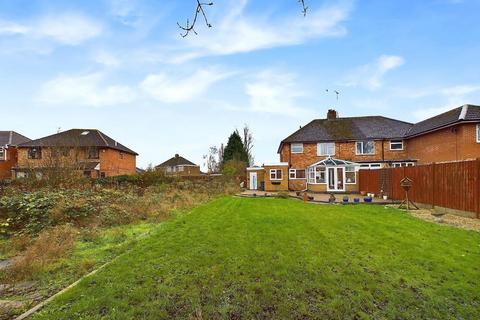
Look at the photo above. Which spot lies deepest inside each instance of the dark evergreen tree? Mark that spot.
(235, 150)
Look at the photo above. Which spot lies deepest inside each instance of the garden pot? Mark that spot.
(363, 193)
(345, 199)
(367, 199)
(385, 197)
(356, 200)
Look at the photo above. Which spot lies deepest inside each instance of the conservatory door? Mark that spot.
(336, 179)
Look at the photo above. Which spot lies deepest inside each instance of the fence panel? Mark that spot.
(454, 185)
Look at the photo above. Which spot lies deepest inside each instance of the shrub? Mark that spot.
(50, 245)
(282, 195)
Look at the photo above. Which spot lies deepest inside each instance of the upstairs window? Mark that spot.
(275, 174)
(2, 153)
(35, 153)
(365, 147)
(121, 155)
(478, 133)
(396, 144)
(326, 149)
(93, 153)
(297, 147)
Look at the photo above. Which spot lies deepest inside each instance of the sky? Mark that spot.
(121, 66)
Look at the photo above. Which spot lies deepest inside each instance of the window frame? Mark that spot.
(38, 153)
(294, 176)
(274, 172)
(478, 133)
(297, 144)
(401, 142)
(3, 152)
(362, 148)
(350, 170)
(319, 149)
(90, 149)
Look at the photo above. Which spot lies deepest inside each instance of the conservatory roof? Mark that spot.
(333, 162)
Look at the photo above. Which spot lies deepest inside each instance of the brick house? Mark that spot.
(86, 151)
(179, 166)
(326, 154)
(8, 152)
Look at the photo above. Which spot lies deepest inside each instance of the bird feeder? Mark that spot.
(406, 184)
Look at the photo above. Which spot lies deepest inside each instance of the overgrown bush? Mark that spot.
(50, 245)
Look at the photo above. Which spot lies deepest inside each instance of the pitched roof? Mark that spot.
(11, 138)
(78, 138)
(466, 112)
(354, 128)
(177, 160)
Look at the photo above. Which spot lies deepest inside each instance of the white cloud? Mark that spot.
(453, 96)
(68, 28)
(273, 92)
(11, 28)
(86, 90)
(107, 59)
(236, 32)
(174, 89)
(371, 75)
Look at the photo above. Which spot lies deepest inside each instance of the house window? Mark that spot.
(365, 147)
(297, 147)
(396, 144)
(92, 153)
(121, 155)
(403, 164)
(296, 174)
(320, 175)
(181, 168)
(326, 149)
(478, 133)
(275, 174)
(350, 175)
(311, 175)
(102, 174)
(61, 151)
(35, 153)
(371, 166)
(2, 153)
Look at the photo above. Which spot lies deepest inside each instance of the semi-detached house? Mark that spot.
(326, 154)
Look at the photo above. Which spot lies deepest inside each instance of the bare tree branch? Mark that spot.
(304, 7)
(191, 27)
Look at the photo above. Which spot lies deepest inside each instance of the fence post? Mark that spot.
(478, 188)
(433, 185)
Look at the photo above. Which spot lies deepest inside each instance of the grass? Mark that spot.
(276, 259)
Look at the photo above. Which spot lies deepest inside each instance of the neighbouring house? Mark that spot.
(326, 154)
(8, 152)
(84, 151)
(179, 166)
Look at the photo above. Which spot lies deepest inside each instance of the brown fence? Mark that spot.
(454, 185)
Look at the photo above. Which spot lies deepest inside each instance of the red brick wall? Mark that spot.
(449, 144)
(6, 165)
(114, 165)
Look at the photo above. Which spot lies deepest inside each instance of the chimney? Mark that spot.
(176, 155)
(332, 114)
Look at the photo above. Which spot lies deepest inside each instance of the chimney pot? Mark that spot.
(176, 155)
(332, 114)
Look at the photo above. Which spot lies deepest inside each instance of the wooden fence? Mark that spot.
(454, 185)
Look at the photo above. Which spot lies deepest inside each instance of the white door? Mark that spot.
(253, 181)
(335, 178)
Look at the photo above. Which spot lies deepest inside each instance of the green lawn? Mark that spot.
(238, 258)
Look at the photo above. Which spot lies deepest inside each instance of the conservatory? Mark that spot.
(333, 175)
